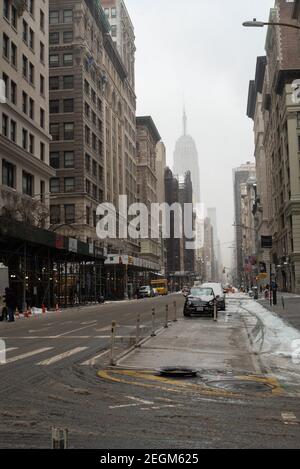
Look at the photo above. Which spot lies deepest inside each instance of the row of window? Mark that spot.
(110, 12)
(67, 161)
(68, 131)
(56, 60)
(61, 16)
(66, 83)
(56, 37)
(9, 130)
(56, 106)
(9, 179)
(10, 13)
(66, 214)
(69, 186)
(29, 39)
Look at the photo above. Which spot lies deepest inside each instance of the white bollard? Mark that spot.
(175, 311)
(153, 323)
(138, 322)
(112, 345)
(167, 317)
(215, 310)
(59, 438)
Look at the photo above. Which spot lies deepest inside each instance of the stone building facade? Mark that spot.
(24, 135)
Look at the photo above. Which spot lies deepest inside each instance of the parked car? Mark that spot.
(146, 292)
(200, 301)
(219, 294)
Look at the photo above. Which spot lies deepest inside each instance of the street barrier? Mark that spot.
(167, 317)
(175, 311)
(112, 345)
(215, 311)
(138, 323)
(153, 323)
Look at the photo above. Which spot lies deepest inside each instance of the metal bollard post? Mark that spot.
(175, 311)
(138, 321)
(167, 317)
(112, 345)
(215, 310)
(59, 438)
(153, 323)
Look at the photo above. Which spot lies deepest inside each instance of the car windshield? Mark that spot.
(202, 292)
(144, 288)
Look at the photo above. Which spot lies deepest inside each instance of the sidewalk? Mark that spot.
(288, 309)
(198, 343)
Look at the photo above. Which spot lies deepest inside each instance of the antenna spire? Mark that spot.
(184, 122)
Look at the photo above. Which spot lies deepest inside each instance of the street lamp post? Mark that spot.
(261, 24)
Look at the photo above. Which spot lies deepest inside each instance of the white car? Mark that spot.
(219, 294)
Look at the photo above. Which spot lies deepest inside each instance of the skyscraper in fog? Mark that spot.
(186, 159)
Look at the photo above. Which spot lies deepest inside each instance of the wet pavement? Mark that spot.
(58, 374)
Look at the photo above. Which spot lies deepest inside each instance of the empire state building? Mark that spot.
(186, 159)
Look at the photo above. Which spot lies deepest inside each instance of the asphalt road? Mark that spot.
(50, 381)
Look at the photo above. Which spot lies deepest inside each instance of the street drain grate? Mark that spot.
(178, 372)
(241, 386)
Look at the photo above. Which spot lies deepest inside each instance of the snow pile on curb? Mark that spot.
(272, 334)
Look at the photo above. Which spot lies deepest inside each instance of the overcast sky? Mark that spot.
(197, 52)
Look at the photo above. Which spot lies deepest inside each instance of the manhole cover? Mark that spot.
(241, 385)
(178, 372)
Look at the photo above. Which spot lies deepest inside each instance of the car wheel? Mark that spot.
(186, 315)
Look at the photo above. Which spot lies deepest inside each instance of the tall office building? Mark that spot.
(24, 136)
(240, 177)
(212, 215)
(186, 159)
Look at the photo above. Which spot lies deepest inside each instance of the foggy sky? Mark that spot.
(196, 52)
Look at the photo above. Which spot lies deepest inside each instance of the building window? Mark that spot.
(54, 160)
(6, 82)
(54, 38)
(31, 108)
(31, 144)
(42, 151)
(69, 105)
(54, 83)
(68, 60)
(113, 12)
(42, 85)
(42, 21)
(69, 184)
(31, 73)
(14, 55)
(4, 125)
(68, 16)
(13, 131)
(54, 17)
(25, 67)
(55, 214)
(87, 163)
(54, 185)
(68, 82)
(88, 186)
(54, 106)
(28, 183)
(13, 92)
(25, 32)
(69, 131)
(6, 9)
(5, 46)
(69, 214)
(14, 17)
(88, 215)
(54, 131)
(42, 118)
(31, 39)
(68, 37)
(42, 52)
(69, 159)
(114, 31)
(8, 174)
(24, 139)
(54, 60)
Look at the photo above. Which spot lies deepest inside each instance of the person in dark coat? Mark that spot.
(11, 304)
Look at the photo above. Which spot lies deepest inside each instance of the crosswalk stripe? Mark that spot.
(93, 360)
(11, 349)
(61, 356)
(28, 354)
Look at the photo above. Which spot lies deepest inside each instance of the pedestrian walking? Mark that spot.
(11, 304)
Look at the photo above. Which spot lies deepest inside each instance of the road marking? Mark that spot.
(289, 418)
(74, 330)
(123, 406)
(93, 360)
(11, 349)
(61, 356)
(88, 323)
(141, 401)
(28, 354)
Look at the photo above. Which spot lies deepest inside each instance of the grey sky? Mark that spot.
(197, 52)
